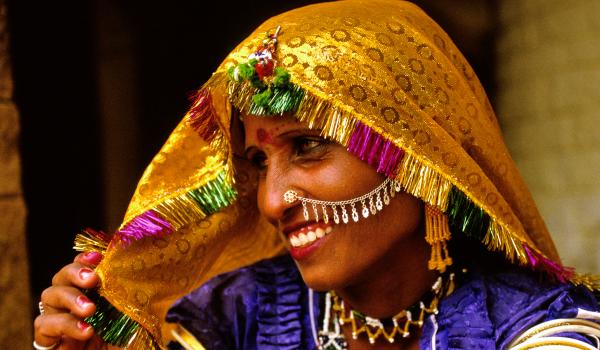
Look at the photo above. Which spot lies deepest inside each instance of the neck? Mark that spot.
(396, 282)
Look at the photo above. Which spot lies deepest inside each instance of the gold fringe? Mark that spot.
(498, 238)
(87, 241)
(180, 211)
(591, 282)
(322, 115)
(424, 182)
(142, 340)
(437, 234)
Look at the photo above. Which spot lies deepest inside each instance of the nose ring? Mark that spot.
(370, 203)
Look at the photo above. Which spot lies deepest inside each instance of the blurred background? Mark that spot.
(89, 91)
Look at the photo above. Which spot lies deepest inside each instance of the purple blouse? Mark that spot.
(265, 306)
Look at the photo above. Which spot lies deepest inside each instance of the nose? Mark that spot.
(271, 188)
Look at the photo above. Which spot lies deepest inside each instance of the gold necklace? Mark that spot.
(337, 314)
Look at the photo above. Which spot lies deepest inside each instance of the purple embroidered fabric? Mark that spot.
(265, 306)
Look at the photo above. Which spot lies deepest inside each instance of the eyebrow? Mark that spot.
(287, 134)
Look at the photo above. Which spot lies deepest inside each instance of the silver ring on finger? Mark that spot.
(41, 307)
(41, 347)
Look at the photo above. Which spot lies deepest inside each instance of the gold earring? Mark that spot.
(437, 234)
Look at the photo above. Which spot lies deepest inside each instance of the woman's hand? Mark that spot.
(65, 307)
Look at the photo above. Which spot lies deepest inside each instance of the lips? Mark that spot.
(306, 238)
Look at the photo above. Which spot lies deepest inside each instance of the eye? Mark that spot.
(309, 145)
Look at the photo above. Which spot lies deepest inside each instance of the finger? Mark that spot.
(76, 274)
(49, 329)
(64, 298)
(89, 258)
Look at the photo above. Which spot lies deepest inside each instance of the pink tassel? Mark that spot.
(147, 224)
(552, 268)
(202, 116)
(374, 149)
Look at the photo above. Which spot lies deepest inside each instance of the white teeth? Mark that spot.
(305, 238)
(294, 241)
(320, 232)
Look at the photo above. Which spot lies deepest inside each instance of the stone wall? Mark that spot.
(15, 304)
(548, 70)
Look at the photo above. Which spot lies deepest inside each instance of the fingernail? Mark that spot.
(83, 326)
(83, 301)
(93, 256)
(85, 273)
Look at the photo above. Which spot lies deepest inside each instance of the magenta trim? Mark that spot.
(554, 269)
(147, 224)
(374, 149)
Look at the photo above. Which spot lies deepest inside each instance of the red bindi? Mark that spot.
(263, 136)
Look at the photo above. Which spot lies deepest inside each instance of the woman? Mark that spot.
(358, 133)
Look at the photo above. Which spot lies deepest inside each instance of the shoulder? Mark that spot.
(228, 311)
(491, 309)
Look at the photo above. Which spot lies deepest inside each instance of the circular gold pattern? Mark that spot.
(358, 93)
(384, 39)
(351, 21)
(204, 224)
(141, 298)
(450, 159)
(425, 51)
(416, 66)
(450, 80)
(464, 126)
(404, 82)
(295, 42)
(245, 203)
(289, 60)
(439, 42)
(390, 115)
(375, 54)
(199, 251)
(395, 27)
(331, 53)
(471, 110)
(399, 96)
(323, 73)
(224, 226)
(305, 27)
(160, 243)
(183, 281)
(183, 246)
(242, 177)
(467, 72)
(442, 96)
(501, 169)
(474, 179)
(340, 35)
(491, 198)
(421, 137)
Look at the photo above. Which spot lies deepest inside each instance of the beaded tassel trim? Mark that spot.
(371, 203)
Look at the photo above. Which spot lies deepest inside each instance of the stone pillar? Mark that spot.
(15, 298)
(548, 102)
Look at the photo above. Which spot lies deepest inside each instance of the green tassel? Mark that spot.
(215, 195)
(110, 324)
(281, 100)
(466, 217)
(282, 78)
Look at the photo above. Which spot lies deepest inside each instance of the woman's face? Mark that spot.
(289, 156)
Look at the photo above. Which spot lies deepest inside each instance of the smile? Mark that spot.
(308, 235)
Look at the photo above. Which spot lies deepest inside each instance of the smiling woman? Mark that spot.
(339, 183)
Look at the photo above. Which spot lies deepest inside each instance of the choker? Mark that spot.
(338, 315)
(377, 199)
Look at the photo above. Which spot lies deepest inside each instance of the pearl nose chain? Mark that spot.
(370, 203)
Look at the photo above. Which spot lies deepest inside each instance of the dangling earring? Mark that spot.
(437, 234)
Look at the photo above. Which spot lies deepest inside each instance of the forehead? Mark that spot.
(272, 125)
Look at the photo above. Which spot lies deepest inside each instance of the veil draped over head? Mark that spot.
(379, 77)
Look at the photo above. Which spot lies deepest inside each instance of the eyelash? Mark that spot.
(316, 147)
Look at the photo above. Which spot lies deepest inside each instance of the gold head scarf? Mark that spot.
(379, 77)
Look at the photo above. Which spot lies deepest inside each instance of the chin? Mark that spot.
(322, 279)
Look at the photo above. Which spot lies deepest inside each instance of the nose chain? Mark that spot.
(370, 203)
